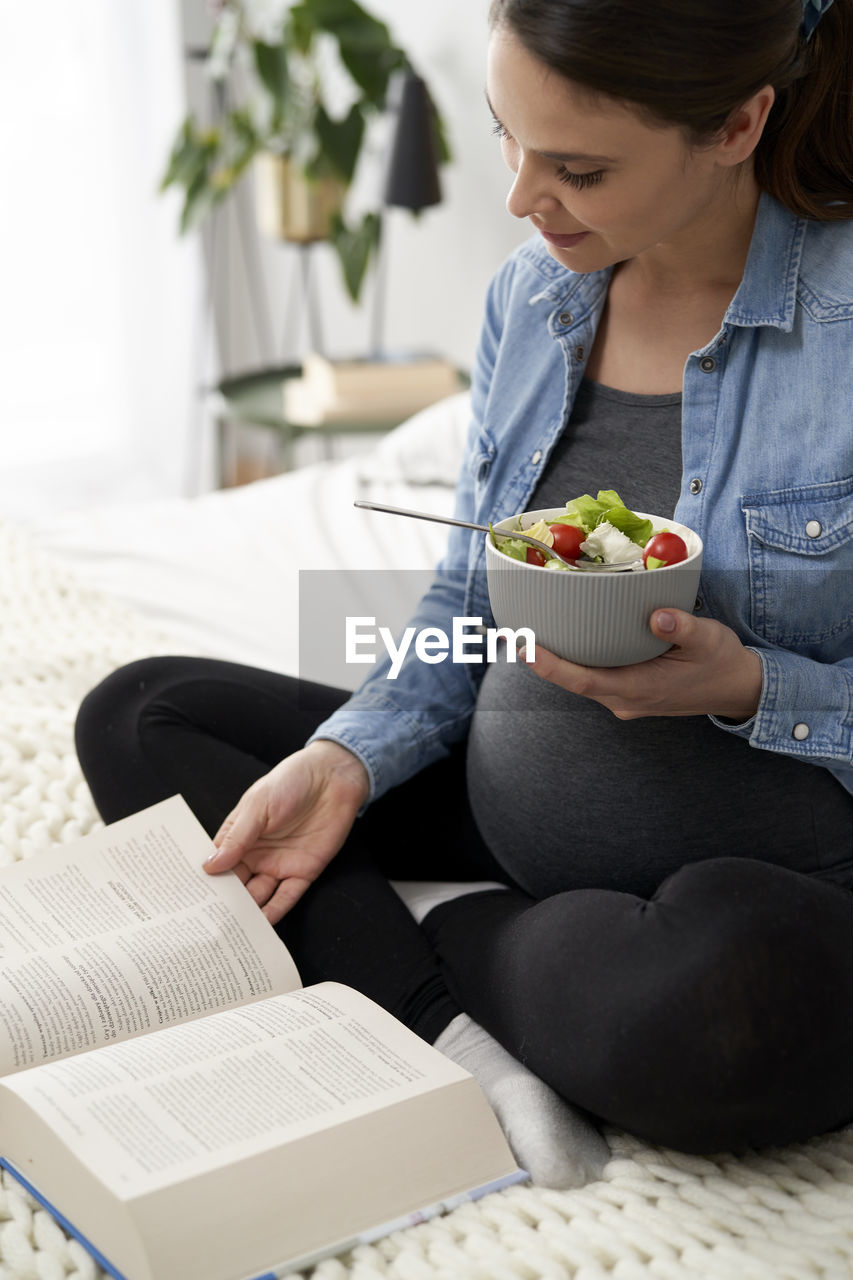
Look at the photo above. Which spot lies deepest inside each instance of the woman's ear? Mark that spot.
(744, 127)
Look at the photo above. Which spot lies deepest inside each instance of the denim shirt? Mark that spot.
(767, 482)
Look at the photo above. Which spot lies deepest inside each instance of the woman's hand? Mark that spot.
(709, 672)
(290, 824)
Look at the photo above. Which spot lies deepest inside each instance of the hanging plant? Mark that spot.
(270, 55)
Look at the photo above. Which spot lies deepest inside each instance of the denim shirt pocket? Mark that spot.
(801, 567)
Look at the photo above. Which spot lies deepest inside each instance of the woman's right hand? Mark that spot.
(290, 824)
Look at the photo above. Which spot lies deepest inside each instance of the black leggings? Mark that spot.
(716, 1014)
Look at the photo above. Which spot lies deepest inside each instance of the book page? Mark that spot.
(158, 1110)
(123, 933)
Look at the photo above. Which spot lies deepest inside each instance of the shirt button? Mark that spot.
(580, 352)
(695, 485)
(801, 731)
(814, 528)
(707, 364)
(537, 457)
(565, 317)
(698, 605)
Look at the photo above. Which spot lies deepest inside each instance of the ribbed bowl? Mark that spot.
(596, 619)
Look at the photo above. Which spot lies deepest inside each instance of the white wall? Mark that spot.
(91, 253)
(99, 296)
(438, 266)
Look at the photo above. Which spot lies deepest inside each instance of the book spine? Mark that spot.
(443, 1206)
(397, 1224)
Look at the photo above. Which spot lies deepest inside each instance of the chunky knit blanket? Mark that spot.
(778, 1215)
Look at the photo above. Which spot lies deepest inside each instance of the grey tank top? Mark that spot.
(616, 440)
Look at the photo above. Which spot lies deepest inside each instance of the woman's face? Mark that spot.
(599, 183)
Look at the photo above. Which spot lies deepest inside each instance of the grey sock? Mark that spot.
(420, 896)
(552, 1140)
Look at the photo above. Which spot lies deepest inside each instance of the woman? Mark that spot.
(665, 938)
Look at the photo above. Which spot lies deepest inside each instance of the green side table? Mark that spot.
(257, 400)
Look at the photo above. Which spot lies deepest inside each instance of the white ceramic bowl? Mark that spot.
(596, 619)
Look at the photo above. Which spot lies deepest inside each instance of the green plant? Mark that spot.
(276, 61)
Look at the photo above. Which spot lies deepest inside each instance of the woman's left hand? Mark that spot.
(708, 672)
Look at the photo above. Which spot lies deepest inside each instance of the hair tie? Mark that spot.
(813, 11)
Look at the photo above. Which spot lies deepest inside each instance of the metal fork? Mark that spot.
(588, 566)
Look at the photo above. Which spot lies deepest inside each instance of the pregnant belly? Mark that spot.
(568, 797)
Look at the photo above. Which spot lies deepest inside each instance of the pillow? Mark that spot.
(425, 449)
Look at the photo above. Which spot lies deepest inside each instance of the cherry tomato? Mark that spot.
(668, 547)
(567, 540)
(535, 556)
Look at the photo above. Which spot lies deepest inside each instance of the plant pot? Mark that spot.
(292, 206)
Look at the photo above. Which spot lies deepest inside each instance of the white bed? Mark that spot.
(218, 575)
(221, 572)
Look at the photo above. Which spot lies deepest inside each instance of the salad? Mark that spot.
(602, 530)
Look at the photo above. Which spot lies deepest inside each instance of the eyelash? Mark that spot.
(580, 181)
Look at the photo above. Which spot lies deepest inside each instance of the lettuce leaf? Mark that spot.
(635, 527)
(512, 547)
(589, 513)
(586, 511)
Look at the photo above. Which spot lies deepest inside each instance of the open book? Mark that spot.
(175, 1097)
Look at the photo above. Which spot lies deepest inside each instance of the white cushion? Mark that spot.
(425, 449)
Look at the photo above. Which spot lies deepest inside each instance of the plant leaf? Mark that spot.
(371, 68)
(445, 155)
(200, 199)
(179, 155)
(366, 48)
(340, 140)
(355, 247)
(243, 127)
(191, 152)
(243, 142)
(273, 72)
(301, 28)
(328, 15)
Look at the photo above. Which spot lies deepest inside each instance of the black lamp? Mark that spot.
(412, 178)
(412, 181)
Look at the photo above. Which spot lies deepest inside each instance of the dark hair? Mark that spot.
(694, 62)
